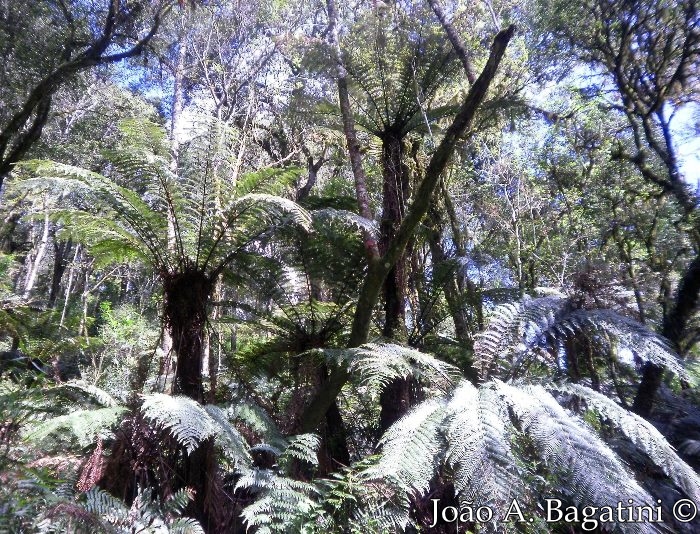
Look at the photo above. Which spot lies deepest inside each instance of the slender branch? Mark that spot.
(456, 42)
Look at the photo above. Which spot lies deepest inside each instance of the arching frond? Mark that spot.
(479, 450)
(570, 449)
(642, 434)
(413, 448)
(190, 424)
(84, 425)
(347, 218)
(469, 435)
(534, 330)
(378, 364)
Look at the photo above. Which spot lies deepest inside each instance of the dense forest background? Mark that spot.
(271, 266)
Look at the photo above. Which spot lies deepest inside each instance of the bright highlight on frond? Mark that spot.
(534, 330)
(470, 435)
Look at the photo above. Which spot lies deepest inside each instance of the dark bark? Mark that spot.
(673, 329)
(396, 399)
(186, 297)
(62, 250)
(395, 195)
(313, 168)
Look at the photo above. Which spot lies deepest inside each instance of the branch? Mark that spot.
(457, 43)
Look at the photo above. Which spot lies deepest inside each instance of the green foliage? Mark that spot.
(191, 424)
(470, 432)
(210, 219)
(535, 330)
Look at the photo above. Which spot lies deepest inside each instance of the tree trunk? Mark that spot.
(186, 296)
(60, 262)
(395, 194)
(673, 327)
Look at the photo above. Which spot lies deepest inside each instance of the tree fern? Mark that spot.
(146, 514)
(534, 330)
(212, 214)
(470, 434)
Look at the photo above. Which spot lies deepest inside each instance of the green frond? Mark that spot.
(84, 425)
(469, 436)
(533, 330)
(271, 181)
(302, 447)
(105, 239)
(101, 503)
(272, 207)
(186, 525)
(347, 218)
(413, 448)
(79, 389)
(190, 424)
(281, 501)
(378, 364)
(187, 420)
(641, 433)
(479, 450)
(259, 421)
(570, 448)
(231, 441)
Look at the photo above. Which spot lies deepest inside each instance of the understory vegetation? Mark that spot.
(313, 268)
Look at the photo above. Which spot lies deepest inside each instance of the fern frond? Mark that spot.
(413, 448)
(84, 425)
(302, 447)
(272, 206)
(535, 329)
(281, 502)
(642, 434)
(646, 345)
(378, 364)
(571, 450)
(187, 420)
(479, 450)
(230, 440)
(186, 525)
(101, 503)
(75, 389)
(347, 218)
(190, 424)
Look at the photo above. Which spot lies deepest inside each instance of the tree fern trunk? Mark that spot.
(186, 296)
(395, 195)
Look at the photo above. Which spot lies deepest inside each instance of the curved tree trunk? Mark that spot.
(673, 328)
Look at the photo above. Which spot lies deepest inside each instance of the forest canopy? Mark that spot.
(383, 266)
